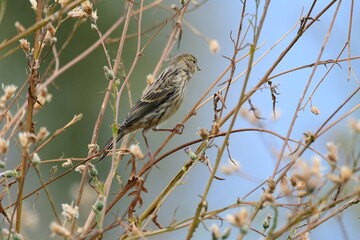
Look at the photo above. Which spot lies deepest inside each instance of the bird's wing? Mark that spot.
(156, 94)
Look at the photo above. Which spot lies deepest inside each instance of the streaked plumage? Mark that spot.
(160, 100)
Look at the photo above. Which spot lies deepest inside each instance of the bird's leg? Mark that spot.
(178, 129)
(144, 133)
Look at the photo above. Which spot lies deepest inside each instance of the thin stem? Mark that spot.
(48, 195)
(257, 30)
(32, 80)
(292, 123)
(40, 24)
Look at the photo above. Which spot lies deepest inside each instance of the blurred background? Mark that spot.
(81, 90)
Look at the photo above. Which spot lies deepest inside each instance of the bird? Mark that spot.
(159, 101)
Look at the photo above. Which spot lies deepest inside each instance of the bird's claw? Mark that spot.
(178, 129)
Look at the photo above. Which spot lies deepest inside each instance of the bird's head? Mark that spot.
(188, 61)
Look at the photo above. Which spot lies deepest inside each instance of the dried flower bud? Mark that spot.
(316, 167)
(354, 125)
(214, 46)
(203, 133)
(94, 16)
(93, 26)
(275, 115)
(315, 110)
(215, 231)
(225, 169)
(51, 30)
(47, 38)
(271, 184)
(231, 167)
(332, 152)
(240, 219)
(345, 173)
(35, 159)
(33, 4)
(80, 168)
(67, 163)
(59, 230)
(303, 171)
(25, 45)
(300, 185)
(302, 194)
(77, 12)
(174, 7)
(80, 231)
(136, 151)
(195, 3)
(215, 128)
(48, 97)
(87, 6)
(4, 145)
(42, 134)
(26, 139)
(93, 147)
(19, 27)
(309, 137)
(9, 91)
(69, 212)
(293, 181)
(284, 187)
(268, 197)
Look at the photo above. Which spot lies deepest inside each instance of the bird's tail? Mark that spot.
(109, 145)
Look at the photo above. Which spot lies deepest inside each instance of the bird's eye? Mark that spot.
(193, 61)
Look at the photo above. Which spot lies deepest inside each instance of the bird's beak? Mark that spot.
(197, 68)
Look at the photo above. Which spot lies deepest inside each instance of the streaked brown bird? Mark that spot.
(159, 101)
